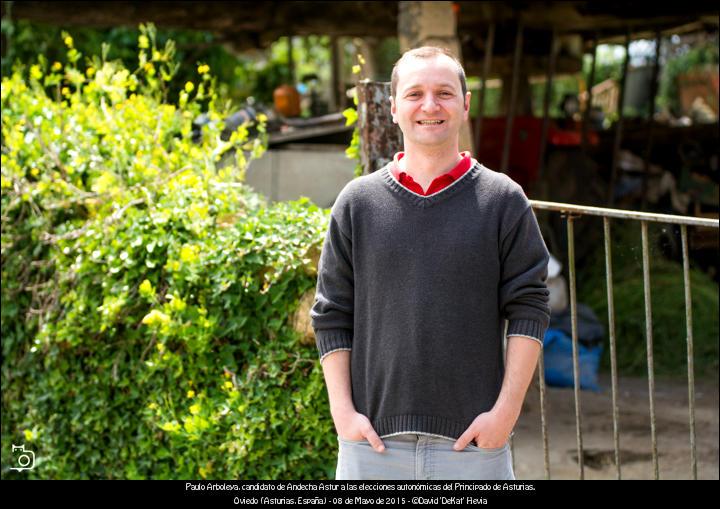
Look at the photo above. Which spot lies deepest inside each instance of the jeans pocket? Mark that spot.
(474, 447)
(361, 441)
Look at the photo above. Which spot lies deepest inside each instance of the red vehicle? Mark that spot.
(524, 162)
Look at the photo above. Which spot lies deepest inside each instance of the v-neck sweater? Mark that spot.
(417, 288)
(439, 182)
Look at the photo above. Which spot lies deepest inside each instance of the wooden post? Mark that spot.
(380, 138)
(651, 118)
(589, 96)
(367, 47)
(504, 166)
(552, 61)
(487, 62)
(335, 92)
(291, 62)
(619, 124)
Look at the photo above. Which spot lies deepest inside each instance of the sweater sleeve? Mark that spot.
(524, 296)
(332, 311)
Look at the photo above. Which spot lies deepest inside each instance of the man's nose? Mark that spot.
(429, 103)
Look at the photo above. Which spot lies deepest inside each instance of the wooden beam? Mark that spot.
(487, 61)
(619, 124)
(504, 166)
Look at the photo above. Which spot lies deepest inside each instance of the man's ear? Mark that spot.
(392, 110)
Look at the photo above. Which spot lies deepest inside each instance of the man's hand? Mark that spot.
(492, 429)
(353, 425)
(489, 430)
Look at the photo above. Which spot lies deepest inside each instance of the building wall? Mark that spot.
(316, 171)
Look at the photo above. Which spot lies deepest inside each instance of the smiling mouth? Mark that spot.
(430, 122)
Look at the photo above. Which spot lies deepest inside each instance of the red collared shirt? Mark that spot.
(436, 185)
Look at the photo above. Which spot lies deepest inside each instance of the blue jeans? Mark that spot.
(414, 456)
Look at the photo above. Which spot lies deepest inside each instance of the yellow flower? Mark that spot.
(155, 317)
(189, 87)
(177, 304)
(68, 41)
(146, 289)
(90, 71)
(262, 117)
(355, 69)
(195, 409)
(156, 55)
(34, 172)
(191, 394)
(203, 69)
(143, 42)
(228, 385)
(171, 426)
(106, 180)
(188, 254)
(56, 66)
(65, 91)
(198, 211)
(160, 347)
(35, 72)
(29, 435)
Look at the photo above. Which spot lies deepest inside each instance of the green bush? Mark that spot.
(146, 291)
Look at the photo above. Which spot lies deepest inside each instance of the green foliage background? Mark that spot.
(239, 76)
(146, 291)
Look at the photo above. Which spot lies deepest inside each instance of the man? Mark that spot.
(422, 262)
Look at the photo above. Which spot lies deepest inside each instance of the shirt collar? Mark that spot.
(457, 172)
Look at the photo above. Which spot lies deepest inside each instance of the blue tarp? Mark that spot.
(558, 360)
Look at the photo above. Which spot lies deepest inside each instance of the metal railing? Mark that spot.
(572, 212)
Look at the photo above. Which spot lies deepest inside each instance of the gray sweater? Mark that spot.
(418, 288)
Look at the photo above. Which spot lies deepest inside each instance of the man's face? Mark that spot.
(429, 89)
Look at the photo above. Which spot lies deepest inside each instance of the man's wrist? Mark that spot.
(342, 409)
(507, 412)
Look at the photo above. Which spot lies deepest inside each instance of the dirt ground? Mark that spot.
(672, 431)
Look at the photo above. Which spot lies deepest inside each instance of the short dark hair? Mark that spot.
(427, 52)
